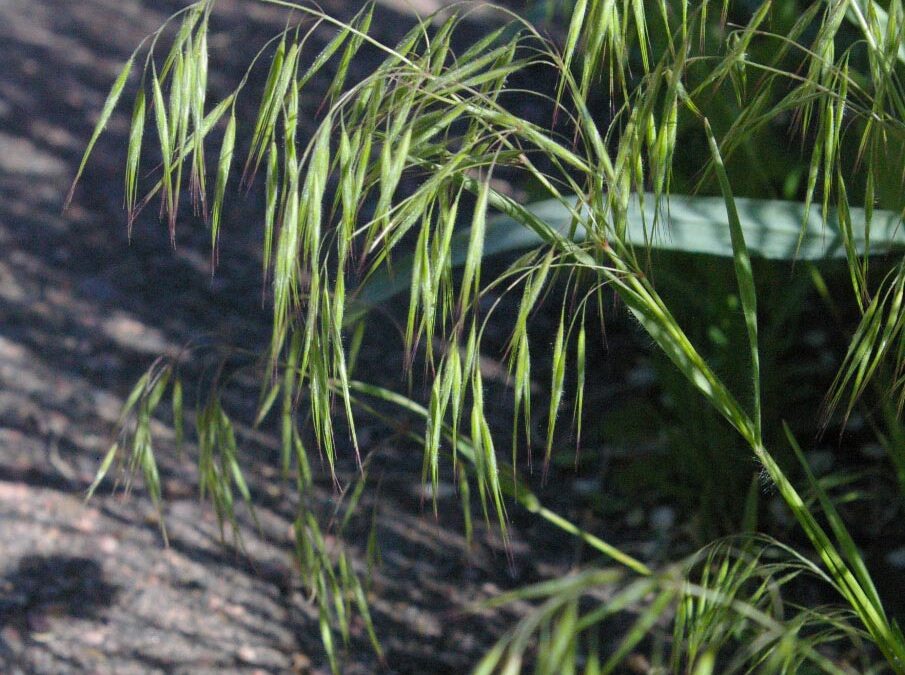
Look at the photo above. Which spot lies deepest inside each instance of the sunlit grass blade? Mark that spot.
(556, 388)
(223, 165)
(106, 112)
(178, 412)
(470, 273)
(134, 155)
(103, 470)
(163, 134)
(745, 276)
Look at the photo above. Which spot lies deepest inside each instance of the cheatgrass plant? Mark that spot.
(721, 610)
(395, 193)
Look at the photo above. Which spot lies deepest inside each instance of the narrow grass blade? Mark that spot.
(744, 274)
(133, 156)
(226, 157)
(103, 470)
(109, 106)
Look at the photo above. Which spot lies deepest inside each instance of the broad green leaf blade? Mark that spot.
(689, 224)
(692, 224)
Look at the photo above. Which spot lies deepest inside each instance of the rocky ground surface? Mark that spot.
(90, 587)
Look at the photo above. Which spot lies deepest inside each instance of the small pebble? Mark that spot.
(896, 558)
(586, 487)
(662, 518)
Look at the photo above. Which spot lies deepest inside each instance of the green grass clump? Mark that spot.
(700, 98)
